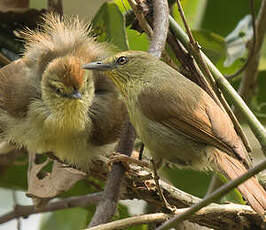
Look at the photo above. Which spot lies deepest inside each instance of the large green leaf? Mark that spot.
(137, 41)
(196, 183)
(109, 25)
(14, 176)
(67, 219)
(213, 45)
(194, 11)
(192, 182)
(222, 16)
(123, 5)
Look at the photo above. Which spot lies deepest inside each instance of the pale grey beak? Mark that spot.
(75, 95)
(98, 66)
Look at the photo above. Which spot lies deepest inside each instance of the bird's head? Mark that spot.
(125, 68)
(64, 83)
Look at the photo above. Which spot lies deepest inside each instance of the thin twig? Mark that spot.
(215, 183)
(15, 201)
(226, 87)
(253, 45)
(131, 221)
(4, 60)
(26, 210)
(213, 196)
(189, 33)
(195, 48)
(141, 18)
(248, 82)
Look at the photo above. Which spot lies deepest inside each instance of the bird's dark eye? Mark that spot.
(59, 91)
(122, 60)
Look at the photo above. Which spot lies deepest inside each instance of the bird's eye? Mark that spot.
(59, 91)
(122, 60)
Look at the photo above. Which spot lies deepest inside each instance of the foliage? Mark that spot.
(210, 28)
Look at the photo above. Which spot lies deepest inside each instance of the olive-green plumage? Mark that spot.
(178, 121)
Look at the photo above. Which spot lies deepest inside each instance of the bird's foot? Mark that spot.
(126, 161)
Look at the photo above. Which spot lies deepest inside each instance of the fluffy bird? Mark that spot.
(48, 103)
(178, 121)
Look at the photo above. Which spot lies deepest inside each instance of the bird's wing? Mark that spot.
(17, 88)
(182, 106)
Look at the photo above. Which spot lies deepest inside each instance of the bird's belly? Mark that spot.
(71, 146)
(172, 146)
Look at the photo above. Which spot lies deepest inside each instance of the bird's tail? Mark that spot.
(250, 189)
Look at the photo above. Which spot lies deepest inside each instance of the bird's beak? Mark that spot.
(98, 66)
(75, 95)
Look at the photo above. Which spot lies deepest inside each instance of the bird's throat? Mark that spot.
(68, 118)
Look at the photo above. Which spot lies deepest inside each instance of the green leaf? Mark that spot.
(123, 5)
(15, 176)
(196, 183)
(262, 63)
(236, 41)
(194, 12)
(258, 102)
(190, 181)
(234, 195)
(109, 25)
(67, 219)
(213, 45)
(137, 41)
(222, 16)
(230, 69)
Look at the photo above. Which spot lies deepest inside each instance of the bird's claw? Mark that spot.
(119, 158)
(126, 161)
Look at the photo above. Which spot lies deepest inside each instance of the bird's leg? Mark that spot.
(126, 160)
(156, 178)
(141, 151)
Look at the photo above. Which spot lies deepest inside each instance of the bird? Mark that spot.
(178, 121)
(48, 103)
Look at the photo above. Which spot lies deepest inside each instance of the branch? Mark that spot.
(141, 18)
(248, 83)
(160, 27)
(205, 215)
(106, 208)
(226, 87)
(4, 60)
(131, 221)
(139, 184)
(213, 196)
(26, 210)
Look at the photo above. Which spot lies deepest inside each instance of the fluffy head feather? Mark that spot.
(57, 37)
